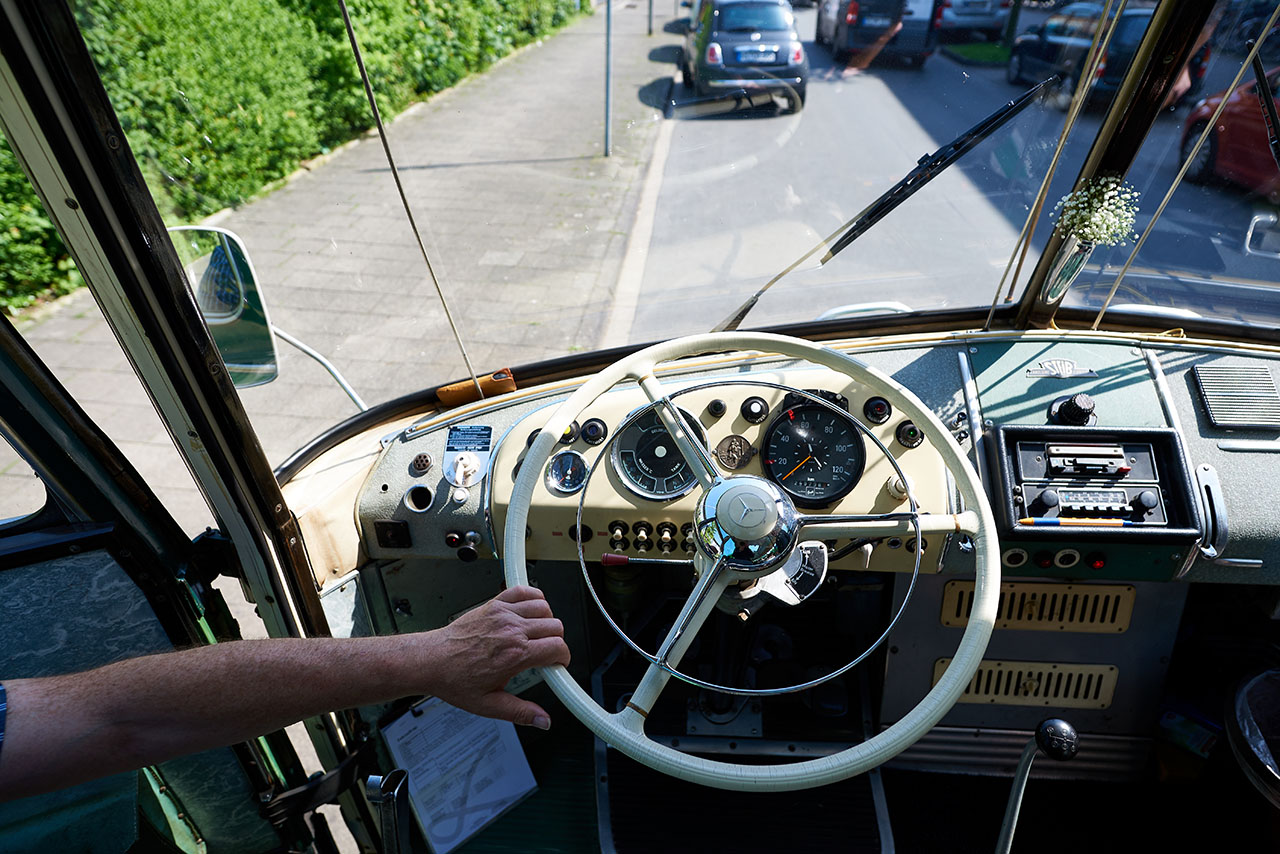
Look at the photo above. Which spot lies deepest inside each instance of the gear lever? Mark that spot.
(1058, 740)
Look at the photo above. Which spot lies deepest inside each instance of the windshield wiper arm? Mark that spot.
(928, 168)
(1267, 100)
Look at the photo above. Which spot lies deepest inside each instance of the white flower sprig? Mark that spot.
(1101, 212)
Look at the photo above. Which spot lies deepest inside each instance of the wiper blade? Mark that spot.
(1267, 100)
(928, 168)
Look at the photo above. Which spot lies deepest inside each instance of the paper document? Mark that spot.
(464, 770)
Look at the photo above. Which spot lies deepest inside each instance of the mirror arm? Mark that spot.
(324, 363)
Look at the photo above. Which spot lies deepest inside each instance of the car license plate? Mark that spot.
(876, 21)
(757, 56)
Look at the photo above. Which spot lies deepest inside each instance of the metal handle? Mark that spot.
(1214, 541)
(391, 794)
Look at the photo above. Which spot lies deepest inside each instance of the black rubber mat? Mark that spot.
(650, 812)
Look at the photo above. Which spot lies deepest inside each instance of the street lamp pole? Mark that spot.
(608, 77)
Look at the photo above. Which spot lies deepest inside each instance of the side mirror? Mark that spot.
(223, 282)
(1263, 237)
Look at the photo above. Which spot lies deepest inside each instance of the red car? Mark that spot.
(1237, 148)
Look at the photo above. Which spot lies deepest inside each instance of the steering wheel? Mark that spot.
(747, 528)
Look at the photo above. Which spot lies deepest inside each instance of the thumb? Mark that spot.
(509, 707)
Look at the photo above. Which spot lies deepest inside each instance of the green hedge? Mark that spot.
(218, 100)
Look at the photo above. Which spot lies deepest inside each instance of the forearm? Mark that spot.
(67, 729)
(63, 730)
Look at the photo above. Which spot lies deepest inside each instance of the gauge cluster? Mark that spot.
(816, 435)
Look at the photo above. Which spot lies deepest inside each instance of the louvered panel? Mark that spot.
(1044, 607)
(1239, 395)
(1038, 683)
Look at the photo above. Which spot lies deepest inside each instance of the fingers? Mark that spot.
(530, 608)
(509, 707)
(548, 627)
(520, 593)
(544, 652)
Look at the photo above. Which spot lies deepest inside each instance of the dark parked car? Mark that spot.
(905, 28)
(746, 44)
(1061, 45)
(1237, 147)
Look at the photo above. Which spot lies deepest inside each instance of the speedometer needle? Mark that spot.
(794, 470)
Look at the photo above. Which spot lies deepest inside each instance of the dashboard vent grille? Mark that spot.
(1046, 607)
(1239, 395)
(1038, 683)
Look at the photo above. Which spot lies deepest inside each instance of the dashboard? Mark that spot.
(617, 484)
(1128, 476)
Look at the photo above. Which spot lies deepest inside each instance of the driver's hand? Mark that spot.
(468, 662)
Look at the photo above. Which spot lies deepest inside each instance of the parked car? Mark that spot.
(746, 44)
(1237, 148)
(1061, 45)
(849, 26)
(988, 17)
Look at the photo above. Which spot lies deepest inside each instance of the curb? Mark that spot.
(964, 60)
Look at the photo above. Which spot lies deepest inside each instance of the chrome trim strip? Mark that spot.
(973, 410)
(1162, 389)
(1240, 562)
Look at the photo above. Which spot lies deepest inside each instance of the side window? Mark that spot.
(1056, 25)
(21, 492)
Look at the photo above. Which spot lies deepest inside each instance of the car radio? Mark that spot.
(1089, 502)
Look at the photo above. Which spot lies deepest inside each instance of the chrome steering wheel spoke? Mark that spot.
(694, 454)
(713, 578)
(879, 525)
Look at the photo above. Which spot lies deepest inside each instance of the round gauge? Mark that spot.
(566, 473)
(814, 453)
(648, 461)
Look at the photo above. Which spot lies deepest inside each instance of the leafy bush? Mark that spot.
(32, 257)
(220, 99)
(216, 99)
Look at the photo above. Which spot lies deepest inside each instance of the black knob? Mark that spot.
(1049, 498)
(1147, 500)
(877, 410)
(716, 408)
(1076, 410)
(594, 431)
(1057, 739)
(755, 410)
(467, 554)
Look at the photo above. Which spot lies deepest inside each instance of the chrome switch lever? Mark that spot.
(1059, 740)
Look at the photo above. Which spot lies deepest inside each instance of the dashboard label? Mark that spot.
(473, 437)
(467, 450)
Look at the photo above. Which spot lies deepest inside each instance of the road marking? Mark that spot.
(626, 293)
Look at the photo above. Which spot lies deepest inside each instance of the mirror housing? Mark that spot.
(222, 281)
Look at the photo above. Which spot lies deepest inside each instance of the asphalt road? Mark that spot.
(745, 193)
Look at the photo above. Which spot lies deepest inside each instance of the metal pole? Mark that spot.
(608, 78)
(650, 17)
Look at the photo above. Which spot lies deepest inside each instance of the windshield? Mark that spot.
(562, 215)
(746, 17)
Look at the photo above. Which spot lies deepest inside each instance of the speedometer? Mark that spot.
(648, 461)
(814, 453)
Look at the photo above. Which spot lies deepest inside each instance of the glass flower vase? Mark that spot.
(1067, 264)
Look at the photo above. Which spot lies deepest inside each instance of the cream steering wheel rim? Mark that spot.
(624, 730)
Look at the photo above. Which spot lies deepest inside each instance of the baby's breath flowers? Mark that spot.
(1102, 212)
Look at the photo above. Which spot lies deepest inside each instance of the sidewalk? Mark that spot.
(530, 271)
